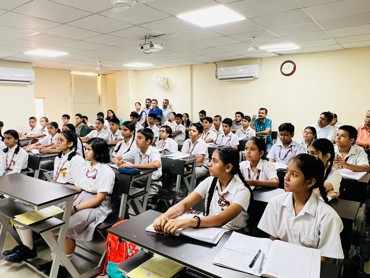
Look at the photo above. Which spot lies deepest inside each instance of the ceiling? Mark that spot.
(93, 31)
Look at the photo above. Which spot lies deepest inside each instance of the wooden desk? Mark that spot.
(38, 194)
(194, 254)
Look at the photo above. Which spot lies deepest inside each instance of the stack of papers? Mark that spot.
(34, 216)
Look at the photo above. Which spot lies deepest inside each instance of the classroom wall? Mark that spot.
(17, 101)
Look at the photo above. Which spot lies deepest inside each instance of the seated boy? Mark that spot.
(347, 154)
(178, 131)
(217, 127)
(99, 132)
(134, 117)
(114, 133)
(144, 157)
(209, 136)
(34, 131)
(151, 124)
(283, 151)
(246, 132)
(228, 138)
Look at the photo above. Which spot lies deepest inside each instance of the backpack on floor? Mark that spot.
(117, 251)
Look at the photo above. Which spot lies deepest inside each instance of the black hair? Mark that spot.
(100, 114)
(218, 116)
(15, 135)
(32, 118)
(138, 103)
(1, 126)
(46, 119)
(203, 112)
(167, 129)
(155, 100)
(148, 134)
(114, 114)
(81, 117)
(352, 131)
(262, 108)
(313, 130)
(55, 125)
(227, 121)
(159, 119)
(239, 113)
(312, 168)
(261, 145)
(178, 115)
(71, 137)
(134, 114)
(199, 127)
(66, 116)
(208, 119)
(85, 117)
(328, 115)
(148, 99)
(152, 115)
(101, 120)
(247, 118)
(286, 127)
(114, 120)
(325, 146)
(131, 127)
(71, 127)
(100, 149)
(335, 116)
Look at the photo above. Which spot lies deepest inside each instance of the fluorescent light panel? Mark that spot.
(279, 47)
(84, 73)
(137, 65)
(46, 53)
(212, 16)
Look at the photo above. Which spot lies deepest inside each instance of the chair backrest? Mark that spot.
(281, 174)
(210, 151)
(173, 166)
(241, 147)
(353, 190)
(33, 162)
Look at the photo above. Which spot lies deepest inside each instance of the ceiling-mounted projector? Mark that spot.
(150, 47)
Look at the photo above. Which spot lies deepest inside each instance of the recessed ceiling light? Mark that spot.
(279, 47)
(46, 53)
(84, 73)
(212, 16)
(137, 65)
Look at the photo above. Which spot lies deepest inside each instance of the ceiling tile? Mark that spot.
(84, 45)
(304, 37)
(19, 21)
(71, 32)
(350, 31)
(135, 32)
(350, 39)
(323, 48)
(282, 19)
(348, 21)
(13, 33)
(51, 11)
(47, 38)
(324, 42)
(310, 3)
(11, 4)
(169, 25)
(258, 36)
(356, 44)
(297, 29)
(100, 24)
(196, 35)
(181, 6)
(109, 40)
(93, 6)
(236, 28)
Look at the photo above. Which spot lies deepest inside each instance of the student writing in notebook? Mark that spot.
(128, 142)
(299, 216)
(256, 170)
(323, 149)
(228, 204)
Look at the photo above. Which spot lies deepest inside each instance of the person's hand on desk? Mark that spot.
(173, 225)
(159, 223)
(339, 162)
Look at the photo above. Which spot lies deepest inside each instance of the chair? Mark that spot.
(281, 174)
(353, 190)
(241, 149)
(33, 166)
(274, 135)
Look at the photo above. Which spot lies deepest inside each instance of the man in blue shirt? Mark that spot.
(155, 109)
(263, 127)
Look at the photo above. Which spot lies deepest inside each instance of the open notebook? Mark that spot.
(270, 258)
(34, 216)
(210, 235)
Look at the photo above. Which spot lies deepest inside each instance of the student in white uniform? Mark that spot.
(309, 135)
(48, 141)
(34, 131)
(195, 145)
(225, 195)
(114, 134)
(323, 149)
(245, 132)
(227, 138)
(151, 124)
(100, 115)
(323, 127)
(128, 142)
(256, 170)
(208, 135)
(299, 216)
(179, 130)
(217, 125)
(166, 143)
(80, 148)
(99, 132)
(171, 122)
(44, 125)
(1, 134)
(134, 117)
(13, 158)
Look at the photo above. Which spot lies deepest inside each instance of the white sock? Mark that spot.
(25, 235)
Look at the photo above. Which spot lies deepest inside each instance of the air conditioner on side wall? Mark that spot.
(16, 76)
(236, 73)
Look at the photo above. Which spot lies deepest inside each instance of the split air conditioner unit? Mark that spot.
(16, 76)
(236, 73)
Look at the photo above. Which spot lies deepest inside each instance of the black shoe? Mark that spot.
(46, 268)
(23, 253)
(11, 251)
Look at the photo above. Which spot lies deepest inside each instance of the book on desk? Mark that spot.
(34, 216)
(209, 235)
(268, 258)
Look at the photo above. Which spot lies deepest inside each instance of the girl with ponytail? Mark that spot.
(299, 216)
(227, 197)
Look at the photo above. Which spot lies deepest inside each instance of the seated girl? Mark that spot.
(228, 204)
(48, 141)
(256, 170)
(323, 149)
(128, 142)
(299, 216)
(13, 158)
(166, 143)
(309, 135)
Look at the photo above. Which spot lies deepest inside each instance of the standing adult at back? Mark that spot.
(166, 110)
(323, 127)
(363, 133)
(155, 109)
(263, 126)
(148, 103)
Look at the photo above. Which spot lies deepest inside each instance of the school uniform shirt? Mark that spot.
(137, 157)
(229, 140)
(106, 124)
(80, 148)
(138, 126)
(104, 134)
(355, 156)
(170, 124)
(11, 163)
(363, 137)
(45, 131)
(209, 135)
(245, 134)
(155, 130)
(237, 125)
(303, 143)
(329, 132)
(169, 145)
(47, 140)
(2, 145)
(265, 171)
(181, 136)
(217, 131)
(235, 192)
(316, 226)
(113, 137)
(283, 154)
(197, 148)
(68, 171)
(123, 147)
(32, 131)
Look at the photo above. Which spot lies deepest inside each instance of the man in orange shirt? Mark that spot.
(363, 136)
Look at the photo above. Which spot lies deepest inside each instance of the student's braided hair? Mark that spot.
(325, 146)
(15, 135)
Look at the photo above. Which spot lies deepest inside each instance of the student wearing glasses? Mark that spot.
(284, 150)
(226, 197)
(166, 144)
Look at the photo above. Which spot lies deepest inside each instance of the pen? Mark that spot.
(255, 259)
(261, 263)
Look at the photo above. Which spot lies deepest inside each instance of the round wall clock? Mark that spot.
(287, 68)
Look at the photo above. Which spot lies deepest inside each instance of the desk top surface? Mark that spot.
(33, 191)
(190, 252)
